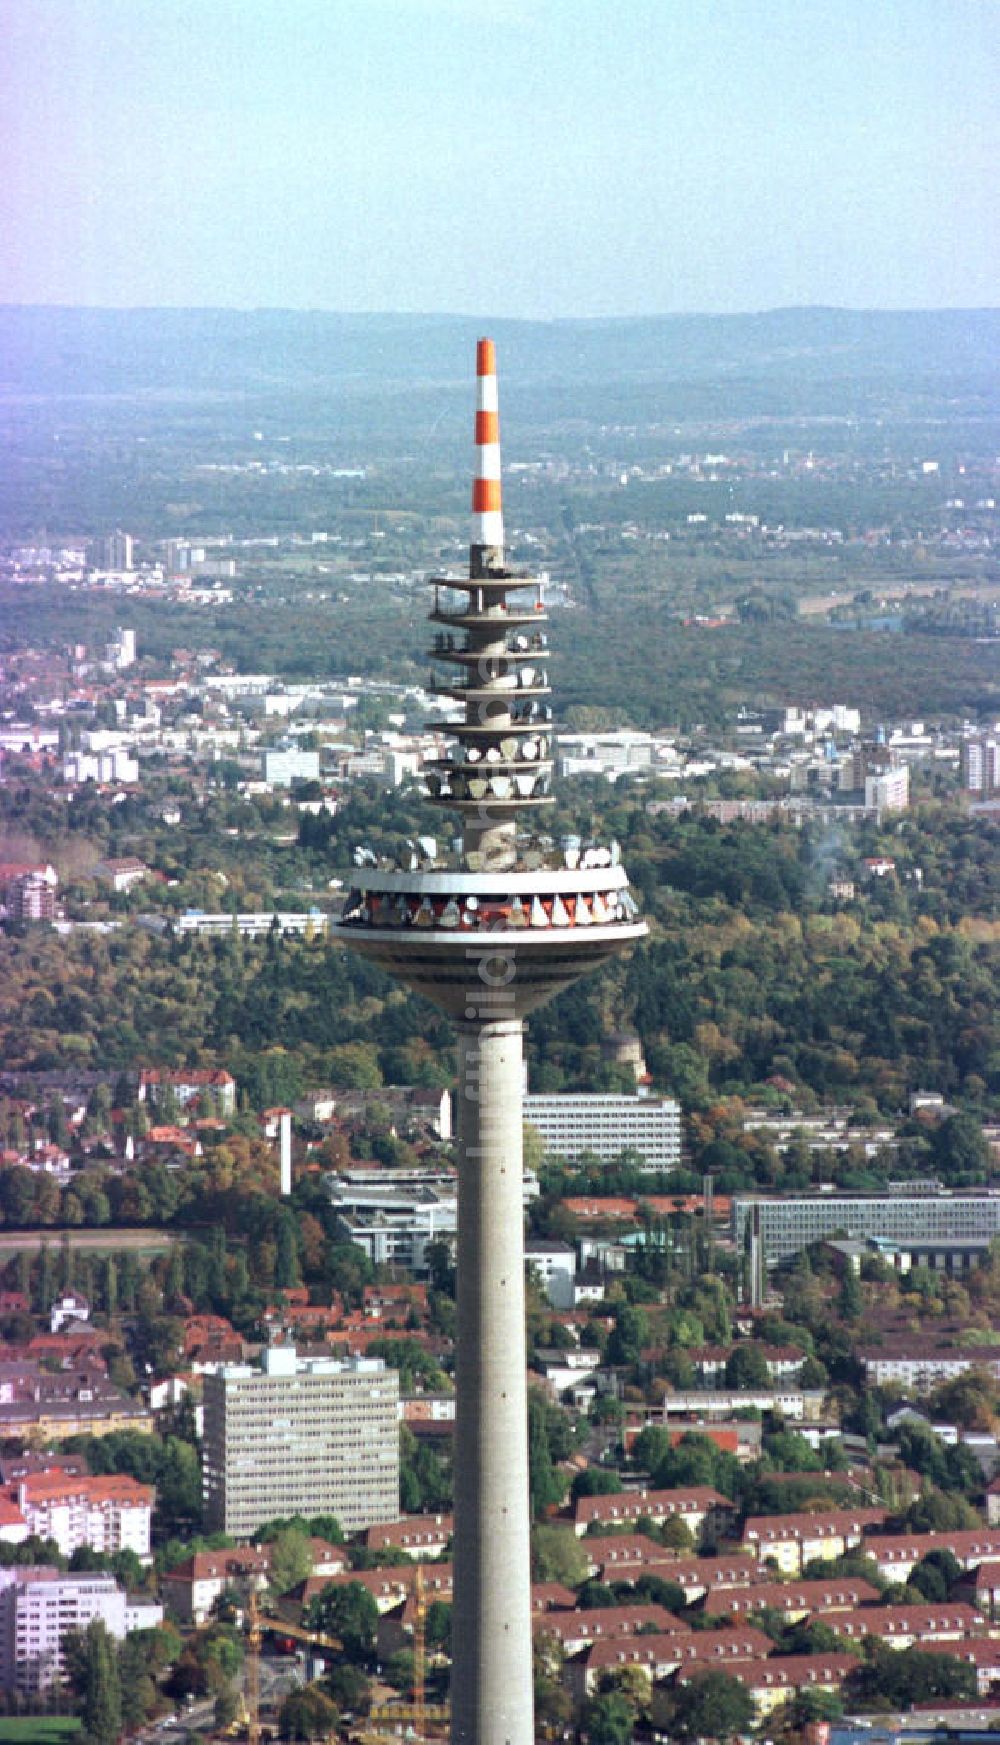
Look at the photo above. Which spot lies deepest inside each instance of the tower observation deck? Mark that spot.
(488, 939)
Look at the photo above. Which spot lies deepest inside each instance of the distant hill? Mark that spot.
(785, 360)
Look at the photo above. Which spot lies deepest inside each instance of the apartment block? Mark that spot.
(606, 1126)
(980, 764)
(301, 1436)
(107, 1514)
(38, 1609)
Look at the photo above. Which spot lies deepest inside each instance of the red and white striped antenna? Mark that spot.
(487, 513)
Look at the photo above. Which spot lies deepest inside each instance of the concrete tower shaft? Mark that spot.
(488, 938)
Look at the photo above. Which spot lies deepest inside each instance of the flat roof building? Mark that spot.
(608, 1125)
(38, 1609)
(787, 1225)
(301, 1436)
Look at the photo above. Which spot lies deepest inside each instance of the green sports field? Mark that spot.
(37, 1729)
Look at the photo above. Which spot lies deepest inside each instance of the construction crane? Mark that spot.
(256, 1624)
(425, 1719)
(253, 1667)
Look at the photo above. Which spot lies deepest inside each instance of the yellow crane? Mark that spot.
(425, 1719)
(256, 1624)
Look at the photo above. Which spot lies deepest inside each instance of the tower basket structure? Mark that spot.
(488, 935)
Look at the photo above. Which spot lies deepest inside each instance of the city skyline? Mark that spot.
(517, 161)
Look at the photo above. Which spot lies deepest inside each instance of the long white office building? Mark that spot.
(605, 1126)
(790, 1223)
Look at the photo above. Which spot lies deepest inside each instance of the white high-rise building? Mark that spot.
(606, 1126)
(120, 652)
(301, 1436)
(889, 791)
(118, 551)
(981, 764)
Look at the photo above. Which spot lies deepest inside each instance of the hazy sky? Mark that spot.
(501, 157)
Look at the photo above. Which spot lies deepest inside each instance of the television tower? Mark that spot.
(488, 934)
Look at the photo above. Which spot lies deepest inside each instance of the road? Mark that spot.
(103, 1240)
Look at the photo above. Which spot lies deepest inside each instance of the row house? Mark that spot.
(792, 1541)
(897, 1554)
(775, 1681)
(695, 1505)
(794, 1599)
(661, 1655)
(396, 1628)
(419, 1536)
(905, 1626)
(575, 1631)
(699, 1576)
(978, 1652)
(981, 1587)
(624, 1556)
(192, 1588)
(188, 1084)
(388, 1587)
(919, 1366)
(784, 1362)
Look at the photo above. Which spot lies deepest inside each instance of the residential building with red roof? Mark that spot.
(773, 1681)
(419, 1536)
(793, 1599)
(905, 1626)
(577, 1630)
(693, 1504)
(109, 1513)
(897, 1554)
(792, 1541)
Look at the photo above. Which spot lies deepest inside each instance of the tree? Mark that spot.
(934, 1512)
(349, 1688)
(893, 1678)
(92, 1659)
(652, 1446)
(138, 1689)
(596, 1481)
(287, 1271)
(546, 1485)
(628, 1335)
(291, 1559)
(851, 1301)
(959, 1152)
(714, 1706)
(747, 1368)
(609, 1719)
(557, 1555)
(307, 1714)
(676, 1535)
(553, 1704)
(936, 1575)
(349, 1613)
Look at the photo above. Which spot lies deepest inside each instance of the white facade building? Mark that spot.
(302, 1436)
(608, 1125)
(107, 1514)
(555, 1264)
(282, 767)
(117, 765)
(888, 791)
(38, 1609)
